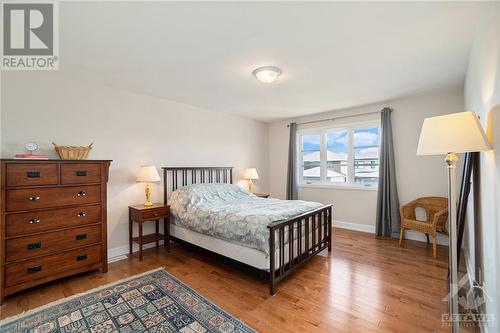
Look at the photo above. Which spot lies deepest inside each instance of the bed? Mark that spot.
(274, 236)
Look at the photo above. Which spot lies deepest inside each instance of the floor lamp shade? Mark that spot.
(453, 133)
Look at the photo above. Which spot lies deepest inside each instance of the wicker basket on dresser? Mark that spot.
(52, 220)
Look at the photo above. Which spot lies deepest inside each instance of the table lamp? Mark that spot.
(148, 174)
(448, 135)
(251, 174)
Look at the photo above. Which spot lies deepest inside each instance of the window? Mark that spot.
(343, 156)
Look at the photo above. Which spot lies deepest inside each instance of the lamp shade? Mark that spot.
(148, 173)
(251, 173)
(453, 133)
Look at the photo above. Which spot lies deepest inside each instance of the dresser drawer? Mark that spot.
(34, 198)
(80, 173)
(31, 174)
(49, 265)
(46, 220)
(50, 242)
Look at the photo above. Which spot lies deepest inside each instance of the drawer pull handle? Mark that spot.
(34, 269)
(32, 246)
(81, 214)
(81, 173)
(82, 257)
(34, 221)
(81, 237)
(33, 174)
(81, 194)
(34, 198)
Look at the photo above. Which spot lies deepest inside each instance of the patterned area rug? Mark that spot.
(154, 301)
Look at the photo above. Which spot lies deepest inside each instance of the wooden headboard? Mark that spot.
(175, 177)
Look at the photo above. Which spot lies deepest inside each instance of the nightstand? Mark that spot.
(141, 214)
(262, 195)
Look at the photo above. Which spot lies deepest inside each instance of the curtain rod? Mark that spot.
(331, 119)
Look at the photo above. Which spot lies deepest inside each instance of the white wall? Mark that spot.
(416, 176)
(482, 95)
(0, 112)
(131, 129)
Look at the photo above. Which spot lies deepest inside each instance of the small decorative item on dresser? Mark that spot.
(31, 147)
(148, 174)
(141, 214)
(251, 174)
(72, 152)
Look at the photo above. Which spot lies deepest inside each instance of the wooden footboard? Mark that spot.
(292, 242)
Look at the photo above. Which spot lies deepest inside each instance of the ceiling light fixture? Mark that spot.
(267, 74)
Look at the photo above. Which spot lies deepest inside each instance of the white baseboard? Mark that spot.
(418, 236)
(117, 258)
(121, 252)
(117, 252)
(409, 234)
(354, 226)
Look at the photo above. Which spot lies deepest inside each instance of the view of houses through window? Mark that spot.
(347, 155)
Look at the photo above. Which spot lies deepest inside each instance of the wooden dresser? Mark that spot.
(53, 220)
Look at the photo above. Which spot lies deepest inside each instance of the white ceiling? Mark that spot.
(333, 55)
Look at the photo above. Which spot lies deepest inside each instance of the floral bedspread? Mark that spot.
(229, 212)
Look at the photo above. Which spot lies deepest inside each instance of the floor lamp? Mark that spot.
(449, 135)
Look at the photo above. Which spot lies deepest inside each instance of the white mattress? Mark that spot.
(238, 252)
(244, 254)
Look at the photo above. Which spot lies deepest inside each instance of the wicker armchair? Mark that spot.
(436, 209)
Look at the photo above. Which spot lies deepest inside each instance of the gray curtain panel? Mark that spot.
(388, 219)
(291, 180)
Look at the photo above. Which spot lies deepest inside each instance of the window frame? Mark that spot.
(350, 127)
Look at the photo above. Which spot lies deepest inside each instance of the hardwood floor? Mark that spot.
(364, 285)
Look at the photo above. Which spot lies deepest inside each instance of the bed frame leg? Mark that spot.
(330, 229)
(272, 262)
(272, 288)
